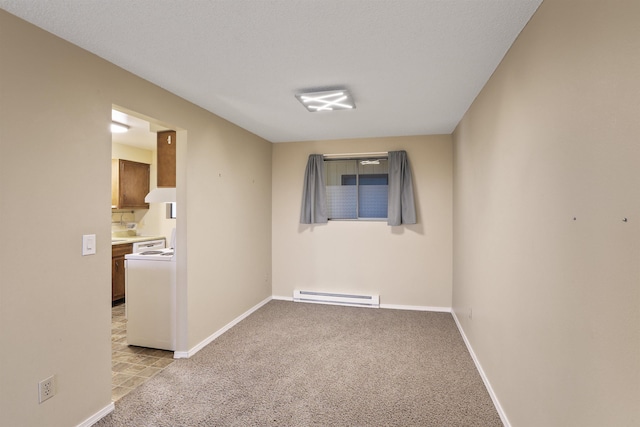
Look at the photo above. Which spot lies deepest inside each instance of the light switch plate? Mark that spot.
(88, 244)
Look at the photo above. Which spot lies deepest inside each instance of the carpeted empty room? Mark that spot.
(297, 364)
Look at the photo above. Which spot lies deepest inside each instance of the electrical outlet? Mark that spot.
(46, 389)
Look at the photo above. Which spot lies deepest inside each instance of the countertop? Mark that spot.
(133, 239)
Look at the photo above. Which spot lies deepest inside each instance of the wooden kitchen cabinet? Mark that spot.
(166, 158)
(117, 270)
(129, 184)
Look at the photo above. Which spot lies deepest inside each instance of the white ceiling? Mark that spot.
(412, 66)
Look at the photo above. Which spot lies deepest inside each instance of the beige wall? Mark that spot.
(552, 137)
(135, 154)
(55, 154)
(407, 265)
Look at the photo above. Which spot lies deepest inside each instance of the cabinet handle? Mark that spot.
(117, 265)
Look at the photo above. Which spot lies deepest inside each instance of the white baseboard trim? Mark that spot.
(203, 343)
(98, 415)
(485, 380)
(280, 298)
(416, 308)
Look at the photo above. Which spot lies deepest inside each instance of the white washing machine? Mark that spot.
(151, 299)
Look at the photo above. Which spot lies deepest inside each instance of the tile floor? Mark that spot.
(131, 365)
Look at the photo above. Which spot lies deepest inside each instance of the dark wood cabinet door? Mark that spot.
(167, 158)
(118, 270)
(117, 278)
(133, 184)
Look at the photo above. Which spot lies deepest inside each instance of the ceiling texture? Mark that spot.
(413, 67)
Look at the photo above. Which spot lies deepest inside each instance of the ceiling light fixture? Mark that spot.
(119, 127)
(327, 101)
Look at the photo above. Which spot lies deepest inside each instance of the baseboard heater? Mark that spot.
(372, 301)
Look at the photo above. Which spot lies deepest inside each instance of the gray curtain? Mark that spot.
(314, 195)
(401, 209)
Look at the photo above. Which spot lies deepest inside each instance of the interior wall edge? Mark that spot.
(483, 375)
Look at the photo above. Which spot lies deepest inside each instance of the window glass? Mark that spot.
(171, 210)
(357, 188)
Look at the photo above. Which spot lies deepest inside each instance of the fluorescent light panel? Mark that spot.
(118, 127)
(332, 100)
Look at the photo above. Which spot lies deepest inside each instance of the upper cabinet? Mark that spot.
(129, 184)
(167, 158)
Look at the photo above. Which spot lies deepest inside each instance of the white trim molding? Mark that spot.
(485, 380)
(98, 415)
(203, 343)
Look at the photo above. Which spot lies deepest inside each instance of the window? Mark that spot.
(357, 188)
(171, 210)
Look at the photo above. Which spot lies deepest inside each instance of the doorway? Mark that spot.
(131, 221)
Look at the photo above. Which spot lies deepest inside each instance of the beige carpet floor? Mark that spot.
(297, 364)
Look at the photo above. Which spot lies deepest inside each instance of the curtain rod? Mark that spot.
(376, 153)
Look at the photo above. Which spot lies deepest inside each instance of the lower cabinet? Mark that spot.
(117, 270)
